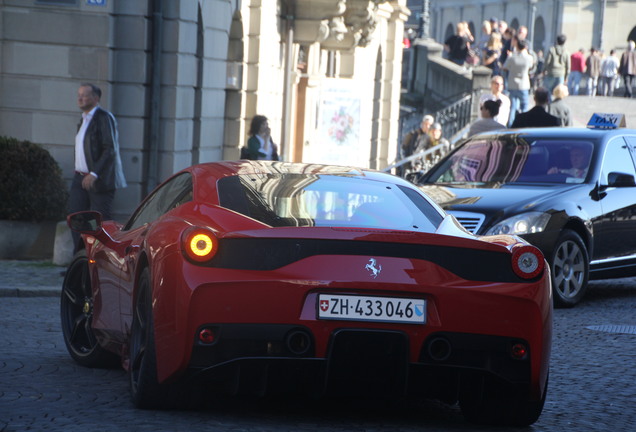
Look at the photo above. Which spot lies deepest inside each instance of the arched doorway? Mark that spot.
(450, 30)
(538, 38)
(632, 35)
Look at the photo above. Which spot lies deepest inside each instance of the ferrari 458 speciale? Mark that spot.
(251, 277)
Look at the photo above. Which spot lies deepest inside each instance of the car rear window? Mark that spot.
(296, 200)
(516, 160)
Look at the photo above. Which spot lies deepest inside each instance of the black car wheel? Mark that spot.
(145, 389)
(143, 364)
(76, 314)
(570, 269)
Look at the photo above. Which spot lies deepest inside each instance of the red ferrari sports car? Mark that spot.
(281, 278)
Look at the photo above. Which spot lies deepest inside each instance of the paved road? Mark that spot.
(41, 389)
(584, 106)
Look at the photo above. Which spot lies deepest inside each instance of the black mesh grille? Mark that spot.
(270, 254)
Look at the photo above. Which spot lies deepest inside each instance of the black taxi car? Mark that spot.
(569, 191)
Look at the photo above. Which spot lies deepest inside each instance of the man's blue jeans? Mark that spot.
(574, 82)
(519, 102)
(550, 82)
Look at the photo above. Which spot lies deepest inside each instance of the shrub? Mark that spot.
(31, 184)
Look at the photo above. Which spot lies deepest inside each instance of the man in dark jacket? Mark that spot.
(537, 116)
(98, 169)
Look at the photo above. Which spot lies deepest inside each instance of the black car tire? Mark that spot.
(498, 407)
(145, 389)
(76, 316)
(570, 268)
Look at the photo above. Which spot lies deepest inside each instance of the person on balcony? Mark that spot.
(457, 45)
(491, 54)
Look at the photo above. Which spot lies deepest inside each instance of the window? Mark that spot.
(618, 158)
(327, 200)
(172, 194)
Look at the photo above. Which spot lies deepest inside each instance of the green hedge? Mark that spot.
(31, 184)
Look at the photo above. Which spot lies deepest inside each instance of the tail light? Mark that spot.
(527, 262)
(199, 244)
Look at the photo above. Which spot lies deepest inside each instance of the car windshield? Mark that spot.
(327, 200)
(512, 159)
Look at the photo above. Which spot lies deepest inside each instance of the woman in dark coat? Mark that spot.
(260, 145)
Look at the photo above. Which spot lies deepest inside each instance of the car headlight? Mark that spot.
(525, 223)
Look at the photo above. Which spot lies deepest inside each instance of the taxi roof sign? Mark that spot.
(606, 121)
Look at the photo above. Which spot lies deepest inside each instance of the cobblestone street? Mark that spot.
(41, 389)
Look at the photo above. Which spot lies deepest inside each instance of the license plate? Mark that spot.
(371, 308)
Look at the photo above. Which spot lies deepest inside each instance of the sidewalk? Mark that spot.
(30, 279)
(583, 107)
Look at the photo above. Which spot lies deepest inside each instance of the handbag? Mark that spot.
(471, 57)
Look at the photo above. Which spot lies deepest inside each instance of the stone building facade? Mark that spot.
(185, 77)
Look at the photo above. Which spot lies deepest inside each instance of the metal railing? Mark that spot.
(454, 118)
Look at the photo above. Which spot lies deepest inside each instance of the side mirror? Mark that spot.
(617, 179)
(87, 222)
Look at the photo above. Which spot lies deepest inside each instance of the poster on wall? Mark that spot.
(337, 138)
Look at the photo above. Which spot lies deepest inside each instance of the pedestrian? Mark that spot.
(593, 70)
(416, 139)
(628, 68)
(497, 94)
(577, 69)
(536, 78)
(558, 107)
(435, 140)
(506, 40)
(494, 24)
(538, 115)
(486, 32)
(489, 110)
(457, 45)
(518, 66)
(609, 74)
(502, 26)
(98, 168)
(557, 64)
(491, 54)
(260, 145)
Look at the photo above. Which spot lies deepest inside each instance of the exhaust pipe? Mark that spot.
(439, 349)
(298, 342)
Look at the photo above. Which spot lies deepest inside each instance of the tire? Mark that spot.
(145, 390)
(570, 268)
(496, 406)
(76, 316)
